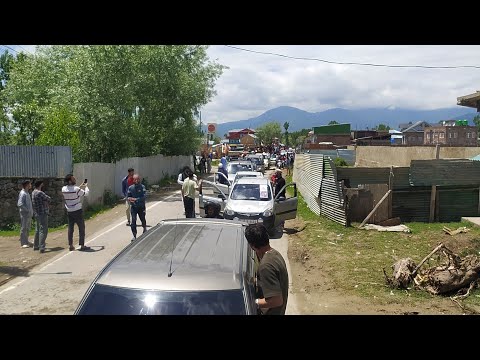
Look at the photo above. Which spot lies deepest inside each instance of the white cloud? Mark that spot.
(255, 83)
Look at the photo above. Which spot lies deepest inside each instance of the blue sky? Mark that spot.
(255, 83)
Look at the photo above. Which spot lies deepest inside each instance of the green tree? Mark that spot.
(382, 127)
(267, 132)
(6, 62)
(286, 125)
(333, 122)
(128, 100)
(476, 121)
(216, 139)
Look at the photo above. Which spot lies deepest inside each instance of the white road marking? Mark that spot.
(96, 237)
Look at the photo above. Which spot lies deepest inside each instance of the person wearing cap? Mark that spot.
(222, 170)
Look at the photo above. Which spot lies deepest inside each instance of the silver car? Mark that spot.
(179, 267)
(251, 200)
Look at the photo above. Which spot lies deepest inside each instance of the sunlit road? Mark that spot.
(56, 287)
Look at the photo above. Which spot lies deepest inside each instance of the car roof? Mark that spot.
(247, 180)
(202, 254)
(249, 173)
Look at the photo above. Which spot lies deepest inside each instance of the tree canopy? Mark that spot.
(108, 101)
(267, 132)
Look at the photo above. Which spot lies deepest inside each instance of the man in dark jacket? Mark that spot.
(127, 181)
(136, 196)
(279, 184)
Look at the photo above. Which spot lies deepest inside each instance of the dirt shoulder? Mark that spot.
(317, 293)
(16, 261)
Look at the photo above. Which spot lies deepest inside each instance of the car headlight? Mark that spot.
(229, 212)
(268, 213)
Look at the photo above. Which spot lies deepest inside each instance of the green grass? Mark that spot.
(354, 258)
(215, 162)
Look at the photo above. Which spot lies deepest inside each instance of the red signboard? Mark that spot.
(211, 128)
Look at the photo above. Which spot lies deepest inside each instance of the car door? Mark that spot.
(285, 208)
(225, 188)
(218, 197)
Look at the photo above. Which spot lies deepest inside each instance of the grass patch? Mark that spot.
(215, 162)
(354, 258)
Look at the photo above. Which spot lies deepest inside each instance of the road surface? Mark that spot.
(56, 287)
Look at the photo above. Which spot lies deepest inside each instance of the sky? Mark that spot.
(254, 83)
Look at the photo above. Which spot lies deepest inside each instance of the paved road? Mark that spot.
(58, 286)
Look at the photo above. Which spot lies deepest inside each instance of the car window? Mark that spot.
(109, 300)
(234, 168)
(255, 192)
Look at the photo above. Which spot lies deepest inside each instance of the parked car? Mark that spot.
(251, 200)
(257, 160)
(249, 174)
(179, 267)
(235, 166)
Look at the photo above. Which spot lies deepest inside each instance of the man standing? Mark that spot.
(188, 195)
(73, 203)
(279, 184)
(183, 175)
(136, 196)
(40, 210)
(272, 274)
(222, 179)
(25, 207)
(127, 181)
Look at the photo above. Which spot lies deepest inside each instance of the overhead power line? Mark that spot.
(354, 63)
(24, 49)
(8, 47)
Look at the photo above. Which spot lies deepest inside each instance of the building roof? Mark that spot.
(471, 100)
(418, 123)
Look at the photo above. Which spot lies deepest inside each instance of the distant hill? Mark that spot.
(359, 119)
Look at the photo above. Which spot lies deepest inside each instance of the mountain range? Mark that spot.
(359, 119)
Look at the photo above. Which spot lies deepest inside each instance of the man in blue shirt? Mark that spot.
(136, 196)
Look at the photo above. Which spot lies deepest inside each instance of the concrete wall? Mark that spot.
(9, 190)
(384, 156)
(107, 176)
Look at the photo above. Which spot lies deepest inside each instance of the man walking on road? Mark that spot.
(188, 194)
(127, 181)
(41, 202)
(272, 272)
(136, 196)
(25, 207)
(73, 203)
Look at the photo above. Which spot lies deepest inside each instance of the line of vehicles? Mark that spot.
(195, 266)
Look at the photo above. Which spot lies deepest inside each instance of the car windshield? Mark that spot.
(234, 168)
(256, 192)
(109, 300)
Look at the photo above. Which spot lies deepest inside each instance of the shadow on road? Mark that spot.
(14, 271)
(93, 248)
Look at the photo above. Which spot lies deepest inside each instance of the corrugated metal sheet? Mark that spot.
(35, 161)
(455, 203)
(307, 174)
(444, 172)
(357, 176)
(412, 205)
(323, 195)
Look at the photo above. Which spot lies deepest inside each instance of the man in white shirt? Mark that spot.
(73, 203)
(25, 207)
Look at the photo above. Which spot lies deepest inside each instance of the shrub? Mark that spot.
(109, 198)
(340, 162)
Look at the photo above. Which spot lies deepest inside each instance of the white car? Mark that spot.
(248, 174)
(236, 166)
(251, 200)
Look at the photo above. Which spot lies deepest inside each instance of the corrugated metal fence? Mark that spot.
(316, 178)
(35, 161)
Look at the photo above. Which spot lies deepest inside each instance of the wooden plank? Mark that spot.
(432, 203)
(375, 208)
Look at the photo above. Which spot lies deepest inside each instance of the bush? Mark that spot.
(146, 183)
(109, 198)
(340, 162)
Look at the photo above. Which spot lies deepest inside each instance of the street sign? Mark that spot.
(211, 127)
